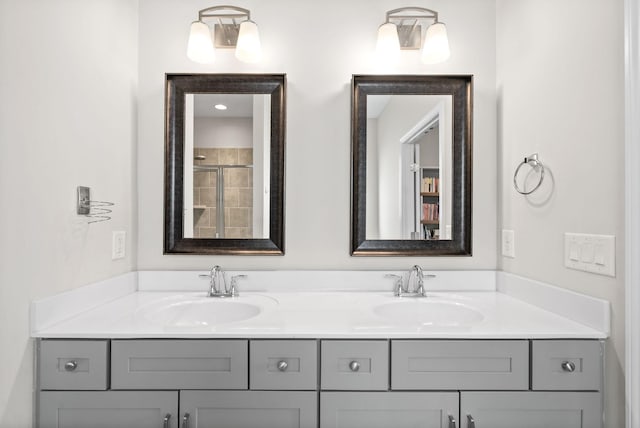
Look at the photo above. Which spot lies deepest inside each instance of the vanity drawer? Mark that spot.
(73, 364)
(283, 364)
(460, 364)
(569, 365)
(179, 364)
(354, 365)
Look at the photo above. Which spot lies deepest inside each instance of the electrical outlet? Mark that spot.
(508, 243)
(118, 245)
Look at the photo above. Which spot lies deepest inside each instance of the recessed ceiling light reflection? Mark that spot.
(220, 107)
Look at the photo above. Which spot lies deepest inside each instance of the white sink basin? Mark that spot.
(429, 312)
(202, 313)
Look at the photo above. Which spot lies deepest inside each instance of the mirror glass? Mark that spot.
(228, 166)
(224, 175)
(411, 163)
(409, 167)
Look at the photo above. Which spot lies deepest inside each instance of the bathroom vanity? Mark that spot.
(341, 359)
(325, 383)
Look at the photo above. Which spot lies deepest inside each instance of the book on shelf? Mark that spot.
(430, 233)
(430, 185)
(431, 212)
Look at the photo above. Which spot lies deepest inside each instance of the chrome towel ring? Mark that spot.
(536, 165)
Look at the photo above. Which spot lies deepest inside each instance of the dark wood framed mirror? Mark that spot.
(411, 165)
(224, 164)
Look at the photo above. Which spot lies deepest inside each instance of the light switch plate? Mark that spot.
(508, 243)
(590, 253)
(118, 246)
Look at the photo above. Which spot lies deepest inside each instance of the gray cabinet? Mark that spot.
(284, 364)
(108, 409)
(248, 409)
(73, 364)
(531, 409)
(355, 365)
(179, 364)
(240, 383)
(388, 409)
(460, 364)
(566, 365)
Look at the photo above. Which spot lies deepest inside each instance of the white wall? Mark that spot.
(67, 118)
(430, 148)
(319, 45)
(261, 164)
(373, 182)
(212, 132)
(560, 88)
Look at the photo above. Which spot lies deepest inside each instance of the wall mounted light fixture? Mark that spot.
(402, 30)
(234, 29)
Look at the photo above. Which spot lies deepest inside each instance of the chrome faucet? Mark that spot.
(417, 286)
(216, 278)
(414, 286)
(218, 283)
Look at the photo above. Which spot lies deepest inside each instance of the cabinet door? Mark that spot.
(108, 409)
(531, 410)
(299, 369)
(248, 409)
(460, 365)
(388, 409)
(355, 365)
(179, 364)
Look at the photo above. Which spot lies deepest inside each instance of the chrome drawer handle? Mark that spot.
(568, 366)
(471, 423)
(70, 366)
(166, 420)
(282, 366)
(452, 422)
(185, 421)
(354, 366)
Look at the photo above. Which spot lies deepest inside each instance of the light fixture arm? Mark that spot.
(419, 13)
(210, 12)
(402, 30)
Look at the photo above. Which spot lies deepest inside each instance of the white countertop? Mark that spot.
(318, 314)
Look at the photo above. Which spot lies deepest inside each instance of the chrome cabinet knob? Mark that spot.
(165, 420)
(282, 366)
(354, 366)
(70, 366)
(568, 366)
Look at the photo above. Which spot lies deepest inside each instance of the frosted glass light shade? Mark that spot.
(200, 47)
(388, 45)
(436, 44)
(248, 48)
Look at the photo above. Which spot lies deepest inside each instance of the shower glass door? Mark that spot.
(224, 195)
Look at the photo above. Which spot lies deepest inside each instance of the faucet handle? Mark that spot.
(205, 275)
(397, 285)
(233, 288)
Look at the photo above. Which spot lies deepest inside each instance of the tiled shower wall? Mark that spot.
(238, 193)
